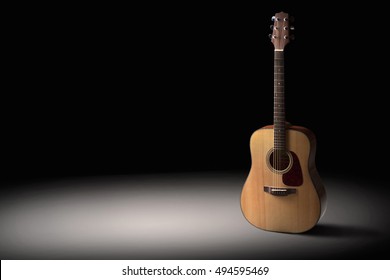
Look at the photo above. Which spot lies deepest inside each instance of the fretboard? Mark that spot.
(279, 110)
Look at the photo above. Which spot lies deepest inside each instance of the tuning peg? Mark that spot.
(291, 18)
(274, 18)
(271, 36)
(292, 27)
(272, 27)
(291, 37)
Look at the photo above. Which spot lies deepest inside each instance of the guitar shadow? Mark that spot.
(340, 231)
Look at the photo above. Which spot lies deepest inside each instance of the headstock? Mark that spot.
(281, 30)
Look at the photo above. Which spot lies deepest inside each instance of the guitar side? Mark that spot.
(293, 213)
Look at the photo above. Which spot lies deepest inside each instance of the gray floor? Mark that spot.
(179, 216)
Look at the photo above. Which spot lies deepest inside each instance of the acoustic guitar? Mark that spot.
(283, 191)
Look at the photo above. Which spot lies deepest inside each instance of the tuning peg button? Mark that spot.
(292, 28)
(271, 27)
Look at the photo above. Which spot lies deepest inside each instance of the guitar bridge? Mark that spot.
(279, 191)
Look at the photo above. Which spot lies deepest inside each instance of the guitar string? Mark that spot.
(279, 90)
(281, 111)
(277, 115)
(275, 124)
(276, 119)
(279, 123)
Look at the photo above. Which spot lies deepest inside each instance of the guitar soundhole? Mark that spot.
(279, 161)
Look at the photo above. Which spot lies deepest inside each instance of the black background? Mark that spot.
(95, 90)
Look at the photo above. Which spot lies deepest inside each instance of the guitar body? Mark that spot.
(290, 200)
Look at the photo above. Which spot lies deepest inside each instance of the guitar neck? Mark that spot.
(279, 106)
